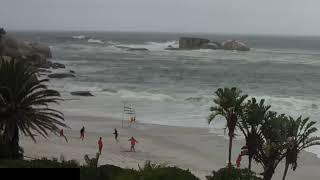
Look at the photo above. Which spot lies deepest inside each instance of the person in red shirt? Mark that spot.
(238, 162)
(133, 143)
(100, 144)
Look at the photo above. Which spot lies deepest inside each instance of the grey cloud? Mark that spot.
(213, 16)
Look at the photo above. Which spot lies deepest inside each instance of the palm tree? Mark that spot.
(24, 107)
(299, 133)
(250, 124)
(271, 148)
(229, 104)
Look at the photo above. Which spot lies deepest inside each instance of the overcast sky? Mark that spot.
(212, 16)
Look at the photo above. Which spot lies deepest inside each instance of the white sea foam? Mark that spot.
(152, 46)
(292, 105)
(160, 45)
(81, 37)
(97, 41)
(125, 94)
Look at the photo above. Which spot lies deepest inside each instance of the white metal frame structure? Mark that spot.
(127, 110)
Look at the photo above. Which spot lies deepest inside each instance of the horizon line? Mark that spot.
(163, 32)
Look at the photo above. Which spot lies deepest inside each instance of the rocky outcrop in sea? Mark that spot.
(192, 43)
(35, 53)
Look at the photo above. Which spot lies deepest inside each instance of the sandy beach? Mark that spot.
(189, 148)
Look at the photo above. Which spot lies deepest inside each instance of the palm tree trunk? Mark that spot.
(250, 160)
(267, 175)
(230, 151)
(13, 144)
(285, 171)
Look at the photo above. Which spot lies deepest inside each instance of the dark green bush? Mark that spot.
(39, 163)
(158, 172)
(106, 172)
(167, 173)
(92, 162)
(148, 172)
(6, 150)
(233, 174)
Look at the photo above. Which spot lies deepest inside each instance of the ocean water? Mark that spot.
(177, 87)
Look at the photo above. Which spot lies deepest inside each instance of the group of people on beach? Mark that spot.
(132, 140)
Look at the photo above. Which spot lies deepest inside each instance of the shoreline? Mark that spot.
(186, 147)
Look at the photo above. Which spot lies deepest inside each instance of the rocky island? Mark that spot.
(191, 43)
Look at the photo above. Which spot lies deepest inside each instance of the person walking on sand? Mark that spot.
(62, 135)
(133, 143)
(82, 133)
(238, 161)
(116, 134)
(100, 144)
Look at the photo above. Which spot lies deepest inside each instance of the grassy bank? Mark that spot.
(149, 171)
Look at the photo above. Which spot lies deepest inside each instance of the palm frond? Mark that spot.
(26, 100)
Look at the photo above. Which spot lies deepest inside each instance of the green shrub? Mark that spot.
(167, 173)
(148, 172)
(152, 171)
(89, 173)
(6, 150)
(159, 172)
(106, 172)
(92, 162)
(38, 163)
(233, 174)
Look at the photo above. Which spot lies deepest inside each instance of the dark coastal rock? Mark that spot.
(123, 47)
(211, 45)
(81, 93)
(234, 45)
(137, 49)
(40, 70)
(192, 43)
(41, 49)
(171, 48)
(10, 47)
(15, 48)
(34, 53)
(58, 65)
(36, 60)
(61, 75)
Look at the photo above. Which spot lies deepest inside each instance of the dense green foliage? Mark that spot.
(148, 172)
(233, 174)
(270, 137)
(38, 163)
(24, 107)
(106, 172)
(299, 133)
